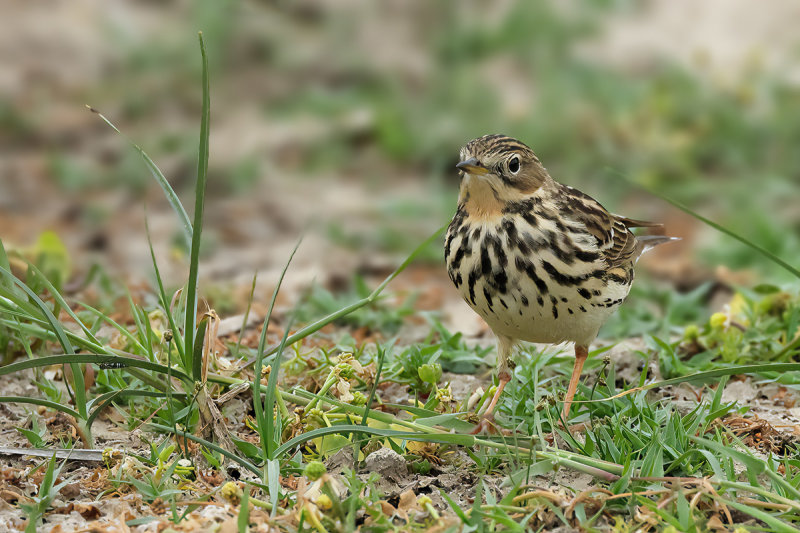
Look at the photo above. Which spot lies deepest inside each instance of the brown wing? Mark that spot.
(615, 241)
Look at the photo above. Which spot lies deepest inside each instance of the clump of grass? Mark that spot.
(36, 507)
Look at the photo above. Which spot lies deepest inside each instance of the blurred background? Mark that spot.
(342, 119)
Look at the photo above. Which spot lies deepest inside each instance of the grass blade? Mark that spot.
(40, 401)
(162, 295)
(719, 227)
(444, 438)
(259, 408)
(777, 368)
(321, 323)
(169, 192)
(55, 326)
(104, 400)
(211, 446)
(91, 358)
(199, 204)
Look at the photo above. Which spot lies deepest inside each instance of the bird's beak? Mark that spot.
(472, 166)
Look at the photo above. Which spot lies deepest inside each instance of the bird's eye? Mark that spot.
(513, 165)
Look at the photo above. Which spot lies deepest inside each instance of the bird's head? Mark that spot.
(508, 166)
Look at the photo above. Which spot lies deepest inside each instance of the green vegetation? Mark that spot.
(313, 396)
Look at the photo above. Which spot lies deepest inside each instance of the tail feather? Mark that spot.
(633, 223)
(648, 242)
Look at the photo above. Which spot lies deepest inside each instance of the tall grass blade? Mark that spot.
(719, 227)
(169, 192)
(262, 412)
(162, 296)
(199, 204)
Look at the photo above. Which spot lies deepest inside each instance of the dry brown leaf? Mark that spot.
(387, 508)
(715, 523)
(86, 510)
(408, 502)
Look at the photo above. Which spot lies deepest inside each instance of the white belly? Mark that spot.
(518, 297)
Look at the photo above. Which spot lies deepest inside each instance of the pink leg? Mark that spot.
(504, 347)
(488, 416)
(581, 353)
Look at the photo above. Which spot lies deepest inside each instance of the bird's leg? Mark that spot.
(504, 345)
(581, 353)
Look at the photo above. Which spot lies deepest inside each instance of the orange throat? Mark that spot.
(479, 199)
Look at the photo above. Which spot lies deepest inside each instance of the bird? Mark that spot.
(539, 261)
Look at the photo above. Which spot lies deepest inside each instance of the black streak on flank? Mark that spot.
(567, 280)
(586, 257)
(488, 298)
(471, 280)
(525, 300)
(459, 255)
(583, 292)
(555, 312)
(486, 263)
(500, 282)
(530, 271)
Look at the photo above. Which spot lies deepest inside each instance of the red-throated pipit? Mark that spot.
(537, 260)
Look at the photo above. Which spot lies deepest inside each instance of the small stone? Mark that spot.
(389, 464)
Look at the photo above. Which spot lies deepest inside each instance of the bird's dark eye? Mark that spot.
(513, 165)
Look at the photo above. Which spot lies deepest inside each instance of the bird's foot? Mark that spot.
(485, 425)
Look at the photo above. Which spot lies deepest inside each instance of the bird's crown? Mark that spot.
(503, 159)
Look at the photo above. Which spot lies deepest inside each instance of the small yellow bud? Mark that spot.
(324, 502)
(424, 500)
(444, 394)
(231, 492)
(691, 333)
(718, 320)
